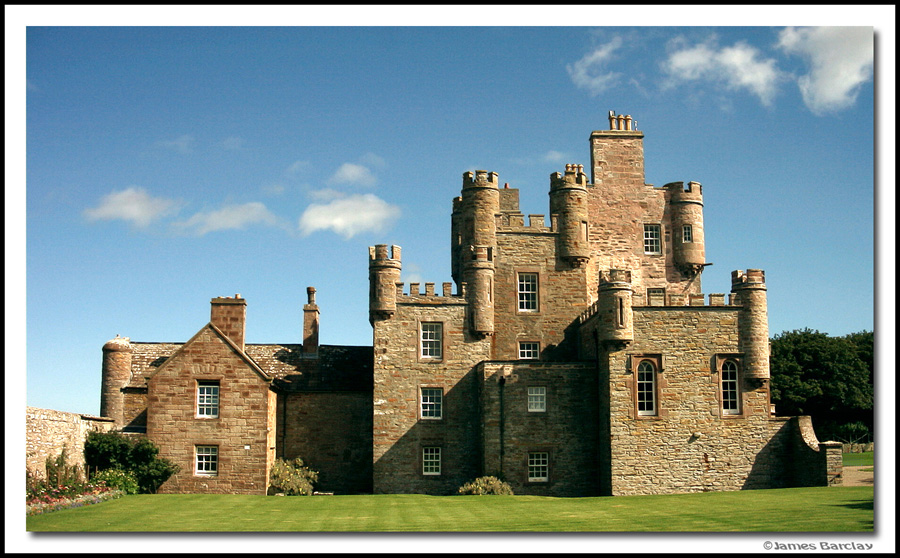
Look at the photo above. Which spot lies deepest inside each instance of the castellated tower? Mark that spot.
(384, 276)
(478, 206)
(753, 321)
(568, 201)
(686, 203)
(116, 372)
(615, 326)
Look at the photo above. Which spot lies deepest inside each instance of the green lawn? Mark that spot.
(785, 510)
(865, 459)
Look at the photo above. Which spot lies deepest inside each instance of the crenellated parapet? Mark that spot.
(569, 206)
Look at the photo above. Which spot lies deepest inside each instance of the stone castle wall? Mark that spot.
(47, 432)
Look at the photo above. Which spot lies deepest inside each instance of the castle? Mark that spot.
(576, 356)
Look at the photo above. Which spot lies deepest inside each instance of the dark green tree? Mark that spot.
(828, 378)
(137, 455)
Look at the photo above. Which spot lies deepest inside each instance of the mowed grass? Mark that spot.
(823, 509)
(863, 459)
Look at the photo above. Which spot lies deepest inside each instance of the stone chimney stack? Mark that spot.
(230, 316)
(310, 323)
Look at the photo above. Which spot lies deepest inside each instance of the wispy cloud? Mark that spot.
(554, 157)
(182, 144)
(352, 173)
(737, 67)
(349, 216)
(297, 167)
(840, 58)
(591, 71)
(134, 205)
(230, 217)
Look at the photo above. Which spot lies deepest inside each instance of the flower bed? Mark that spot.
(62, 498)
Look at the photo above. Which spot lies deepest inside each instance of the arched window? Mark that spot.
(731, 403)
(646, 388)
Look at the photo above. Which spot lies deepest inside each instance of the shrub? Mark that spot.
(118, 479)
(60, 473)
(486, 485)
(139, 456)
(292, 478)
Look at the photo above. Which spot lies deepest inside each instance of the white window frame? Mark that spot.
(206, 461)
(208, 399)
(731, 392)
(431, 460)
(537, 399)
(527, 288)
(652, 238)
(431, 340)
(645, 387)
(687, 233)
(529, 350)
(431, 403)
(538, 466)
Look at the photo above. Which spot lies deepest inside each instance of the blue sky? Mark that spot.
(170, 165)
(167, 166)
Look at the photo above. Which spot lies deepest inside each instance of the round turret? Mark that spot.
(116, 372)
(614, 308)
(568, 201)
(753, 321)
(384, 274)
(687, 223)
(478, 210)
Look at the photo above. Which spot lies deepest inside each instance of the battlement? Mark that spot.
(615, 276)
(685, 192)
(480, 179)
(672, 301)
(415, 295)
(751, 278)
(381, 253)
(573, 177)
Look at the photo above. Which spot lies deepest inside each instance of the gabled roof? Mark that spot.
(217, 332)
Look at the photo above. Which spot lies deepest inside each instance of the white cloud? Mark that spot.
(351, 173)
(182, 144)
(132, 204)
(349, 216)
(229, 217)
(590, 72)
(736, 67)
(841, 60)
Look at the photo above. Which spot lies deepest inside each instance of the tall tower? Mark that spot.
(568, 201)
(753, 321)
(479, 206)
(116, 371)
(687, 226)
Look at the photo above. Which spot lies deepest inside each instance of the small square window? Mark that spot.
(431, 461)
(538, 466)
(207, 399)
(431, 342)
(537, 399)
(528, 350)
(207, 461)
(652, 239)
(431, 406)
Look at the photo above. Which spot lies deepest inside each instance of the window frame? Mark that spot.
(436, 407)
(429, 461)
(213, 403)
(212, 459)
(437, 330)
(655, 383)
(539, 395)
(651, 241)
(687, 234)
(532, 465)
(523, 350)
(735, 360)
(535, 293)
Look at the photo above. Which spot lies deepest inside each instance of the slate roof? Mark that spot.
(333, 368)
